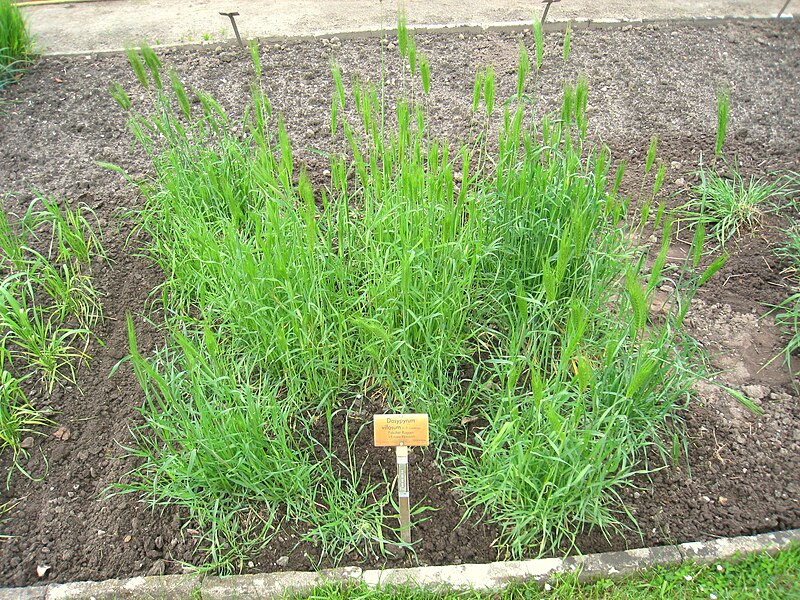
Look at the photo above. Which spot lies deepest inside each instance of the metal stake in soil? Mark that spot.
(547, 8)
(403, 497)
(402, 431)
(780, 12)
(231, 16)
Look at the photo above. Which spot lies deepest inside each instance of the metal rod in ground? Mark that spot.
(547, 4)
(780, 12)
(231, 16)
(403, 493)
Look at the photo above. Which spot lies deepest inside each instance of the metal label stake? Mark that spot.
(231, 16)
(403, 496)
(547, 8)
(402, 431)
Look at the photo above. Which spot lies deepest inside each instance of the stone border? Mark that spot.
(487, 577)
(500, 26)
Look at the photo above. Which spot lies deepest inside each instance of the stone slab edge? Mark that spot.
(486, 577)
(501, 26)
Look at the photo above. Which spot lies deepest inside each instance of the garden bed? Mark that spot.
(643, 81)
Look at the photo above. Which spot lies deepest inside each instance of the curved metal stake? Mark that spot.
(231, 16)
(547, 8)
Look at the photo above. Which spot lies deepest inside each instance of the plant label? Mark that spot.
(401, 430)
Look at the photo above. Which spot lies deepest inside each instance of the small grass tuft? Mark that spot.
(17, 416)
(729, 205)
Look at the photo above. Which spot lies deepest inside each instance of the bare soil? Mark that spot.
(744, 470)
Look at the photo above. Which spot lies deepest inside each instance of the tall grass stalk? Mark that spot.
(538, 38)
(567, 43)
(418, 261)
(723, 113)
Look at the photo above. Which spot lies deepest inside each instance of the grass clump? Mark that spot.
(17, 416)
(16, 45)
(418, 262)
(725, 204)
(728, 205)
(48, 306)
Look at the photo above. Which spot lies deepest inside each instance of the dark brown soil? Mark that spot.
(745, 469)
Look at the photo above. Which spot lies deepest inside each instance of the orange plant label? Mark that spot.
(401, 430)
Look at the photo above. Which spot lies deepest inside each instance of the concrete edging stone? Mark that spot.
(481, 577)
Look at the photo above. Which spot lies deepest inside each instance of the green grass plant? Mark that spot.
(70, 240)
(32, 335)
(417, 261)
(538, 38)
(729, 205)
(11, 246)
(17, 416)
(725, 204)
(16, 45)
(237, 444)
(723, 116)
(48, 306)
(71, 291)
(348, 515)
(787, 313)
(73, 237)
(567, 44)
